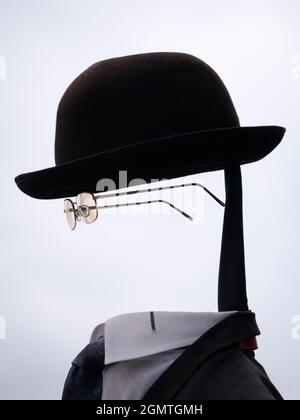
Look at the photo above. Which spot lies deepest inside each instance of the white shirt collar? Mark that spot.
(130, 336)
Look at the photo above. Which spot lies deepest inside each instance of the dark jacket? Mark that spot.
(214, 367)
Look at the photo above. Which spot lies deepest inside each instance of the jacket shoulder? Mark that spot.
(84, 380)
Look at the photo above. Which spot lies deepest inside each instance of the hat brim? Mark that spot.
(165, 157)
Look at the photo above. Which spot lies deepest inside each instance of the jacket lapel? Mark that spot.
(233, 329)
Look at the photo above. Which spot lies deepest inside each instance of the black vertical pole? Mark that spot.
(232, 294)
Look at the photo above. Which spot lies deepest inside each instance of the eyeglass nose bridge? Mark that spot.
(83, 212)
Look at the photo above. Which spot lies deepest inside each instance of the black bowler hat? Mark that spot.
(156, 115)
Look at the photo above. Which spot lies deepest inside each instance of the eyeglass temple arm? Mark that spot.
(192, 184)
(109, 206)
(133, 204)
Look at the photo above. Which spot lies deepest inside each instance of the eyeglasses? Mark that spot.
(85, 208)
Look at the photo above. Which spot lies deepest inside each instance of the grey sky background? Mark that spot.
(57, 285)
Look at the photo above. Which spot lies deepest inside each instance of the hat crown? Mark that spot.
(127, 100)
